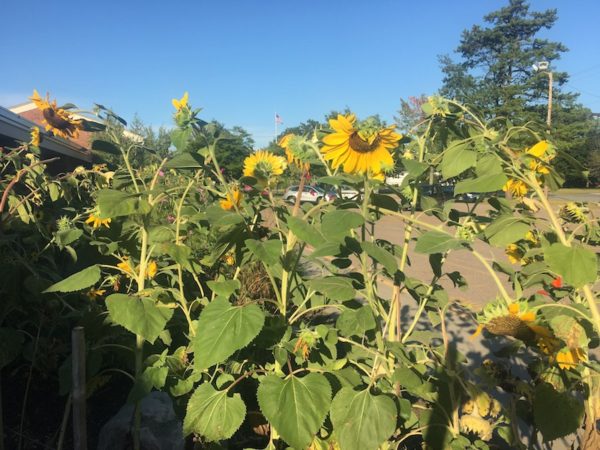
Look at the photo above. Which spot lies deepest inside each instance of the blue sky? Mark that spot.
(244, 60)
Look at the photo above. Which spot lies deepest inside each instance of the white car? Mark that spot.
(348, 192)
(310, 194)
(395, 180)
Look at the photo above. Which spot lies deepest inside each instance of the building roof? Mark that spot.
(16, 128)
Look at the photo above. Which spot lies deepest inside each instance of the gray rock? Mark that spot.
(160, 428)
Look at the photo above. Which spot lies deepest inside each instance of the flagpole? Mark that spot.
(276, 127)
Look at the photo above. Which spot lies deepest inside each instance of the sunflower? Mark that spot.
(57, 120)
(541, 156)
(264, 165)
(232, 200)
(286, 143)
(516, 188)
(126, 267)
(182, 103)
(363, 149)
(151, 270)
(514, 253)
(35, 137)
(93, 294)
(570, 357)
(96, 222)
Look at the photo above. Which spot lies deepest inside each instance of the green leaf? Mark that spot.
(556, 414)
(335, 288)
(355, 321)
(327, 249)
(66, 237)
(296, 407)
(213, 414)
(505, 230)
(185, 161)
(268, 252)
(224, 287)
(141, 316)
(78, 281)
(457, 159)
(361, 420)
(305, 232)
(151, 378)
(337, 224)
(180, 138)
(436, 242)
(577, 265)
(414, 168)
(485, 183)
(222, 329)
(381, 255)
(112, 203)
(12, 343)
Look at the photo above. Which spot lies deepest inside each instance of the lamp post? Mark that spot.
(544, 66)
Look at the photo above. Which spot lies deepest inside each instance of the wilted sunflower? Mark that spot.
(362, 149)
(264, 165)
(57, 120)
(35, 136)
(232, 201)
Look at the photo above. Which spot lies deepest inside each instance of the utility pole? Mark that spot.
(550, 83)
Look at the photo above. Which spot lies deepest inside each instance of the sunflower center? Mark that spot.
(357, 143)
(55, 120)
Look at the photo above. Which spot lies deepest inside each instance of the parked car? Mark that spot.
(310, 194)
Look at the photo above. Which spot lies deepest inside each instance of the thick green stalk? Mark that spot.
(139, 340)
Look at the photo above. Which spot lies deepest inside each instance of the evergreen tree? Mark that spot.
(495, 75)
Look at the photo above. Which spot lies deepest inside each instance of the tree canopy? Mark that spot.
(494, 73)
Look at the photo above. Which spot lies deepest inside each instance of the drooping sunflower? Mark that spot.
(264, 165)
(56, 119)
(359, 149)
(232, 200)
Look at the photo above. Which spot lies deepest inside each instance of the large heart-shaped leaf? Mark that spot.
(305, 232)
(213, 414)
(336, 288)
(505, 230)
(457, 159)
(141, 316)
(577, 265)
(113, 203)
(557, 414)
(296, 407)
(80, 280)
(361, 420)
(381, 255)
(222, 329)
(337, 224)
(436, 242)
